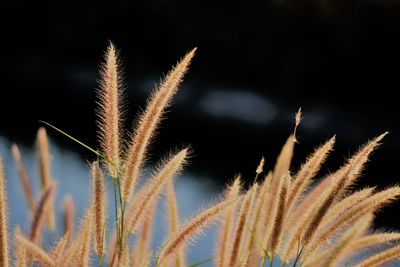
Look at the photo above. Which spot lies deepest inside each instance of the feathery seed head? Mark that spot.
(68, 216)
(41, 211)
(98, 207)
(260, 166)
(110, 116)
(153, 188)
(193, 227)
(24, 178)
(148, 122)
(4, 260)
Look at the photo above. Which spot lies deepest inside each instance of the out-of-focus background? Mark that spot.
(257, 63)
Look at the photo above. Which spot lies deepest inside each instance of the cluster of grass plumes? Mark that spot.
(278, 219)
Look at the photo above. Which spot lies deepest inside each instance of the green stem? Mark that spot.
(263, 262)
(116, 215)
(122, 210)
(298, 257)
(271, 262)
(79, 142)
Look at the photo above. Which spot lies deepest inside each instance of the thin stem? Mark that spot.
(101, 260)
(298, 257)
(263, 262)
(116, 214)
(122, 210)
(79, 142)
(271, 262)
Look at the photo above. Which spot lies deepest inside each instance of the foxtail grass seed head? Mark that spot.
(189, 230)
(226, 229)
(308, 171)
(41, 211)
(239, 232)
(148, 121)
(154, 187)
(99, 207)
(297, 123)
(109, 111)
(35, 251)
(68, 216)
(84, 241)
(23, 175)
(20, 251)
(4, 256)
(381, 258)
(58, 250)
(260, 167)
(174, 221)
(45, 171)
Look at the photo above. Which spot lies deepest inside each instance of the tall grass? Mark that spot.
(278, 219)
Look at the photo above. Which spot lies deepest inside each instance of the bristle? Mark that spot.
(174, 221)
(153, 188)
(40, 213)
(99, 207)
(20, 251)
(68, 216)
(189, 230)
(226, 228)
(109, 113)
(148, 122)
(44, 169)
(35, 251)
(24, 178)
(4, 260)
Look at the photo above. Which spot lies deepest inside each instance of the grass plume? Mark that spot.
(4, 260)
(35, 251)
(109, 112)
(40, 212)
(226, 228)
(174, 221)
(45, 171)
(24, 177)
(191, 228)
(99, 207)
(148, 121)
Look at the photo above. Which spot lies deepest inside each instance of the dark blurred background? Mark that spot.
(257, 63)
